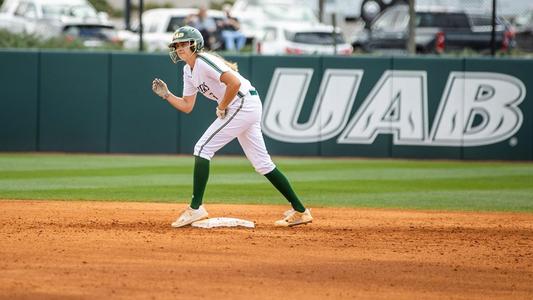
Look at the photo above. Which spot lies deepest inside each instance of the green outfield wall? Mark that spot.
(405, 107)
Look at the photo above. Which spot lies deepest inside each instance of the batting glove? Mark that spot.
(160, 88)
(221, 113)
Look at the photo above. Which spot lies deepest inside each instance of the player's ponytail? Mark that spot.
(230, 64)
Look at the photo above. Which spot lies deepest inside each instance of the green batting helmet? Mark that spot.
(186, 34)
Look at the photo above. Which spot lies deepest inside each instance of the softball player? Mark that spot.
(238, 116)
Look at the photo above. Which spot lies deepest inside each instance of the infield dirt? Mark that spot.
(111, 250)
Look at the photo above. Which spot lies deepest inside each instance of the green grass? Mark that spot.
(406, 184)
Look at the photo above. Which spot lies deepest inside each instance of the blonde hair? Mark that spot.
(230, 64)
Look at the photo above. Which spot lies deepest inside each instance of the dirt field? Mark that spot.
(89, 250)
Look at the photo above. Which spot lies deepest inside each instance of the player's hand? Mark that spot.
(160, 88)
(221, 113)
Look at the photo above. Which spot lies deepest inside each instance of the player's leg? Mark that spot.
(253, 144)
(196, 210)
(200, 177)
(219, 134)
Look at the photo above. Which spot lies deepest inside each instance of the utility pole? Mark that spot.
(141, 5)
(127, 14)
(334, 23)
(321, 10)
(493, 32)
(411, 42)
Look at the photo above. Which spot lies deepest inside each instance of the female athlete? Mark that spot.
(238, 116)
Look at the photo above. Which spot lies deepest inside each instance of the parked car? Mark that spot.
(92, 35)
(295, 38)
(48, 18)
(437, 30)
(159, 24)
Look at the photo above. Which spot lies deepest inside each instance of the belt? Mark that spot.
(251, 92)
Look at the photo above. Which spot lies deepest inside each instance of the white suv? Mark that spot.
(159, 24)
(295, 38)
(253, 14)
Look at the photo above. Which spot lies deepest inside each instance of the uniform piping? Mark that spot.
(223, 125)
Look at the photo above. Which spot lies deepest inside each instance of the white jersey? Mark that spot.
(205, 77)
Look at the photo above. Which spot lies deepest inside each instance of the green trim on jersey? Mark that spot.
(214, 66)
(210, 63)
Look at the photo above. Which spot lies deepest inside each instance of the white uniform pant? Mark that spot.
(242, 121)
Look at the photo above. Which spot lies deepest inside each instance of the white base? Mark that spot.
(223, 222)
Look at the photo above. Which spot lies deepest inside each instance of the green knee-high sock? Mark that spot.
(201, 174)
(282, 184)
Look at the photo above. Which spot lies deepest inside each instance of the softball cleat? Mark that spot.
(295, 218)
(190, 215)
(288, 212)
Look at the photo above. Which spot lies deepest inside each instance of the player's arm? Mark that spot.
(233, 84)
(184, 104)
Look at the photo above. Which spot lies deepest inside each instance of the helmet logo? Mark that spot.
(178, 35)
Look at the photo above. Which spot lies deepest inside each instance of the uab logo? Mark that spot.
(476, 108)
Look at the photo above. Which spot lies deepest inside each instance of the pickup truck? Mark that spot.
(54, 18)
(159, 24)
(437, 30)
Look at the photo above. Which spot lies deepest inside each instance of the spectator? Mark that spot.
(234, 40)
(205, 25)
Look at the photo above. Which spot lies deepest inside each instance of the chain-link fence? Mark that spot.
(506, 8)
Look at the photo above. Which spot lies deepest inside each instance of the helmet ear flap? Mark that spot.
(199, 43)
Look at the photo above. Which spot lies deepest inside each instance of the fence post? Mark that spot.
(493, 33)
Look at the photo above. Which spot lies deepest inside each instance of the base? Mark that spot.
(223, 222)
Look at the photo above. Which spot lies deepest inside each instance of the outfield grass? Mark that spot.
(408, 184)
